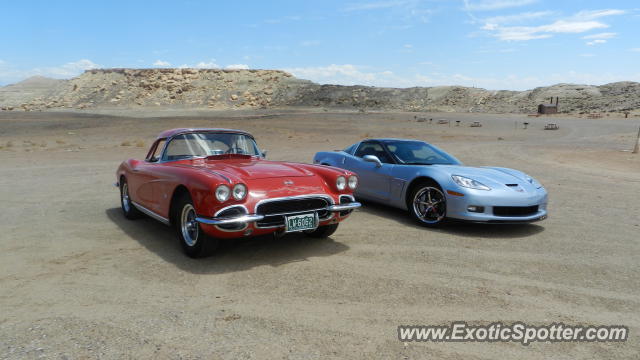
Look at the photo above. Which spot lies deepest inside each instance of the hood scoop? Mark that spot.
(515, 187)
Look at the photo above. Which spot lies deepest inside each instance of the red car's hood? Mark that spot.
(251, 168)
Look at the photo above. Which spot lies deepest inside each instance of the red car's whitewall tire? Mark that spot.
(128, 209)
(193, 240)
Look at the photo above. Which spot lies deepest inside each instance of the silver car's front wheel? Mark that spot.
(428, 205)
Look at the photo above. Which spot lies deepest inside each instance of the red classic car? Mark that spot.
(215, 183)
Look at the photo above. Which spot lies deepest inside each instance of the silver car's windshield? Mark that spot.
(419, 153)
(204, 144)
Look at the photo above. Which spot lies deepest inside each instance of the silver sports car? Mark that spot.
(435, 186)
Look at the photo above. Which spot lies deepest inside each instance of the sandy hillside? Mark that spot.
(78, 280)
(260, 89)
(29, 90)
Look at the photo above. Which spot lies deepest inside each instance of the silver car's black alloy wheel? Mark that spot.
(429, 205)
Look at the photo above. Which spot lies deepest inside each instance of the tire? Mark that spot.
(194, 242)
(427, 204)
(323, 231)
(128, 209)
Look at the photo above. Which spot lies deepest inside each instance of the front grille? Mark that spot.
(344, 199)
(515, 210)
(231, 212)
(289, 207)
(271, 221)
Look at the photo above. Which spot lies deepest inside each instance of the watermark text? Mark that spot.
(460, 331)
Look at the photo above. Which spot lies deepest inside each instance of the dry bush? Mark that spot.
(60, 142)
(43, 144)
(9, 144)
(139, 143)
(125, 143)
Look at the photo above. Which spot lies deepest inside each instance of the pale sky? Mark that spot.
(495, 44)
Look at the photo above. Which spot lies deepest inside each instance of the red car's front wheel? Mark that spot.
(194, 242)
(129, 210)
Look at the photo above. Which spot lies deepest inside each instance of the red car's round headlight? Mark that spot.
(222, 193)
(239, 191)
(353, 182)
(341, 183)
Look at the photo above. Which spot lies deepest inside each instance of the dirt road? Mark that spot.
(77, 280)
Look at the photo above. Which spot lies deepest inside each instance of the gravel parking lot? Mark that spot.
(78, 280)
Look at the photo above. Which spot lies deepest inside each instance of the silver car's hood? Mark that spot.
(493, 177)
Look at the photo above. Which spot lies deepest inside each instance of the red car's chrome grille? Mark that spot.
(291, 206)
(275, 210)
(345, 199)
(231, 212)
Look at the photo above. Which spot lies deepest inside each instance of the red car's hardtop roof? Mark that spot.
(178, 131)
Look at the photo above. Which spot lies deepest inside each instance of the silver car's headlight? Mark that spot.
(341, 183)
(353, 182)
(239, 191)
(223, 193)
(469, 183)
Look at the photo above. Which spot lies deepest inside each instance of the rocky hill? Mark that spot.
(28, 90)
(228, 89)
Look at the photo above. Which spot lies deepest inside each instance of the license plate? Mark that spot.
(301, 222)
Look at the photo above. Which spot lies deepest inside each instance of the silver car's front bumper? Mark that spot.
(458, 206)
(248, 218)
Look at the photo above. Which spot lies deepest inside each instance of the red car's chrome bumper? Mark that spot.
(242, 219)
(248, 218)
(344, 207)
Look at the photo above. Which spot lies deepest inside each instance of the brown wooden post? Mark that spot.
(635, 148)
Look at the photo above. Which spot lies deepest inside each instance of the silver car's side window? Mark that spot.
(373, 148)
(351, 149)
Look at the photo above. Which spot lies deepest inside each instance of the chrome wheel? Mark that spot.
(189, 225)
(126, 202)
(429, 205)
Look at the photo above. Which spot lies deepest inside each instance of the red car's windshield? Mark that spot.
(205, 144)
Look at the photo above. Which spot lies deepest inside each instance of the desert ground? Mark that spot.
(78, 280)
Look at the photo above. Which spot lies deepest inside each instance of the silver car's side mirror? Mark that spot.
(374, 159)
(264, 153)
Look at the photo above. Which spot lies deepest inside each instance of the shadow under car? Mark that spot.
(233, 255)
